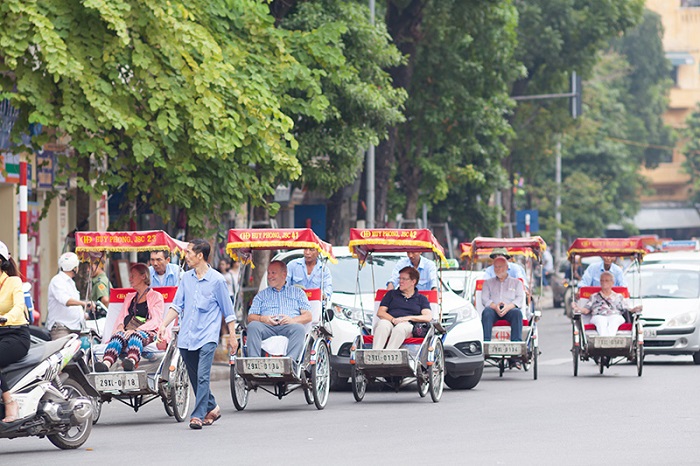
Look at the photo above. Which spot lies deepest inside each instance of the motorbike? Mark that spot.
(52, 393)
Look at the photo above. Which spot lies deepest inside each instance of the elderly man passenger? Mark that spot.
(501, 297)
(279, 309)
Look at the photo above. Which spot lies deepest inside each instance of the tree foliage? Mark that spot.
(691, 151)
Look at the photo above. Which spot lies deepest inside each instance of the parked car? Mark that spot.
(672, 257)
(670, 294)
(353, 301)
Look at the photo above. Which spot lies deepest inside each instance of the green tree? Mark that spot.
(460, 65)
(184, 100)
(691, 151)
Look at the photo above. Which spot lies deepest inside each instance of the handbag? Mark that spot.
(420, 329)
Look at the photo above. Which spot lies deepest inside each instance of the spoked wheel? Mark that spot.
(603, 362)
(501, 366)
(436, 372)
(321, 376)
(308, 393)
(359, 383)
(640, 359)
(75, 436)
(239, 392)
(576, 352)
(179, 390)
(96, 409)
(422, 382)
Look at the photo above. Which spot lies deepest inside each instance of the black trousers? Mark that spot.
(14, 345)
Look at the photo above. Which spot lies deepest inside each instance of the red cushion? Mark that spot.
(626, 326)
(368, 339)
(505, 323)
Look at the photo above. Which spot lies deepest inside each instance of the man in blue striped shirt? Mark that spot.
(279, 309)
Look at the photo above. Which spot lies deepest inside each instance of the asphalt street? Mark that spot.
(614, 418)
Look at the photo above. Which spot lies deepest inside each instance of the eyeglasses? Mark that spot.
(405, 279)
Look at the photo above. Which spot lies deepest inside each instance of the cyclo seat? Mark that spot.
(37, 353)
(432, 296)
(277, 345)
(585, 293)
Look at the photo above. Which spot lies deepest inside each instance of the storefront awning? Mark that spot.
(680, 58)
(668, 218)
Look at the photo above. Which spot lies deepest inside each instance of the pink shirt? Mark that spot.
(155, 303)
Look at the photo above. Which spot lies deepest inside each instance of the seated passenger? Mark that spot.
(399, 309)
(501, 297)
(279, 309)
(138, 321)
(607, 307)
(427, 272)
(592, 275)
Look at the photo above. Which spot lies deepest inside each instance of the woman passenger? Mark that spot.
(398, 310)
(606, 307)
(138, 322)
(14, 326)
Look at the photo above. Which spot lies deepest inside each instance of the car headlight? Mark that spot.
(683, 320)
(351, 314)
(464, 313)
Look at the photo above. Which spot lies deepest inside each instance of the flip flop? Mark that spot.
(195, 423)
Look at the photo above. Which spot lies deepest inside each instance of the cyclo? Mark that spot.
(161, 373)
(628, 342)
(276, 374)
(419, 359)
(501, 350)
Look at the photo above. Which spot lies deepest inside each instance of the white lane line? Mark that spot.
(556, 362)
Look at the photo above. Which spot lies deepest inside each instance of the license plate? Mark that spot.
(117, 381)
(379, 357)
(611, 342)
(504, 348)
(649, 333)
(263, 366)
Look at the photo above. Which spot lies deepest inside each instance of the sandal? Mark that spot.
(128, 364)
(212, 416)
(101, 367)
(195, 423)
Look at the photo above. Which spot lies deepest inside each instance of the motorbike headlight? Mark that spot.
(351, 314)
(683, 320)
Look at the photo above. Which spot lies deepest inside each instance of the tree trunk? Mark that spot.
(404, 27)
(340, 215)
(261, 259)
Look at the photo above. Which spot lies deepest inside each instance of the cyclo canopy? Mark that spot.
(483, 254)
(615, 247)
(365, 241)
(242, 242)
(88, 242)
(533, 247)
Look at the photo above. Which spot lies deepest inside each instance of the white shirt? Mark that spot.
(61, 289)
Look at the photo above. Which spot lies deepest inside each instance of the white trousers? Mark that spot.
(385, 330)
(607, 325)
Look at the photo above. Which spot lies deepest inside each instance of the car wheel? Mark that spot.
(339, 384)
(696, 357)
(465, 382)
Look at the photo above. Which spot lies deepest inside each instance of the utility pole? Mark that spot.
(557, 207)
(371, 203)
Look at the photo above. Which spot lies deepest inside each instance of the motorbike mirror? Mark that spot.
(26, 287)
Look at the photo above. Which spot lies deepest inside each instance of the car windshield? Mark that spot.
(665, 283)
(345, 277)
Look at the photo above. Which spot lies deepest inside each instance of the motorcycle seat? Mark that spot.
(36, 354)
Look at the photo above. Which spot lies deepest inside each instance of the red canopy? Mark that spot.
(617, 247)
(125, 241)
(241, 242)
(535, 244)
(365, 241)
(484, 253)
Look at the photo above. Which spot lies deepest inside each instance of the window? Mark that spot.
(690, 3)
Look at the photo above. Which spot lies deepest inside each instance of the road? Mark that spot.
(614, 418)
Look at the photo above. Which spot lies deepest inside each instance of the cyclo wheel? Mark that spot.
(359, 383)
(436, 372)
(576, 352)
(535, 359)
(239, 391)
(321, 376)
(308, 393)
(501, 366)
(602, 364)
(179, 390)
(640, 359)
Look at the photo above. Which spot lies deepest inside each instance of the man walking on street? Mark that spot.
(201, 300)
